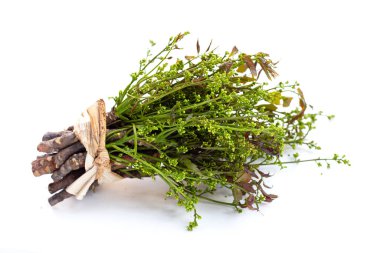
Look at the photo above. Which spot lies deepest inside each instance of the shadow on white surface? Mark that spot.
(135, 199)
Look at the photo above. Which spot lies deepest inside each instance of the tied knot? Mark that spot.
(91, 130)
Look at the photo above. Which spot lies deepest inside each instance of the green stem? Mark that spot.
(157, 171)
(300, 161)
(216, 201)
(135, 139)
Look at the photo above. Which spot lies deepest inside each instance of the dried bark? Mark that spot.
(53, 145)
(51, 135)
(66, 181)
(49, 163)
(59, 197)
(75, 162)
(43, 165)
(111, 117)
(64, 154)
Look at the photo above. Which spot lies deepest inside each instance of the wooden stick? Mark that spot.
(59, 197)
(53, 145)
(43, 165)
(76, 161)
(66, 181)
(49, 163)
(51, 135)
(64, 154)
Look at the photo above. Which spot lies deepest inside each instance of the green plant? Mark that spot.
(208, 120)
(201, 121)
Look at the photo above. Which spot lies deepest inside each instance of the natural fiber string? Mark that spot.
(91, 131)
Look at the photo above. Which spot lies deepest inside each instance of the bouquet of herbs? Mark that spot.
(199, 123)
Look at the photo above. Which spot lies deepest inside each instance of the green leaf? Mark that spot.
(275, 97)
(237, 194)
(152, 43)
(268, 107)
(189, 58)
(286, 101)
(190, 165)
(242, 68)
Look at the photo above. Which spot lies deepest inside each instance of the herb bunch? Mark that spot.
(199, 123)
(206, 121)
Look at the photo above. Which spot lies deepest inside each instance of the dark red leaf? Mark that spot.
(251, 65)
(264, 174)
(246, 186)
(266, 66)
(198, 47)
(303, 105)
(273, 196)
(226, 67)
(268, 197)
(244, 177)
(250, 201)
(208, 48)
(252, 173)
(267, 186)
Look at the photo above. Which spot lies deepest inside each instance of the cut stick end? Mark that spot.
(36, 173)
(42, 148)
(59, 197)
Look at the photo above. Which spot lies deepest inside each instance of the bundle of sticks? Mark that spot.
(64, 158)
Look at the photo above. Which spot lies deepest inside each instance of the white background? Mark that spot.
(58, 57)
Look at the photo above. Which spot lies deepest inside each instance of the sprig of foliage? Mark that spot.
(207, 120)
